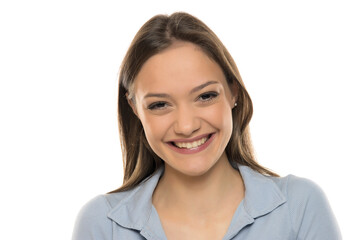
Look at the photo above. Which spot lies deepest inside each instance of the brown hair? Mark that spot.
(155, 35)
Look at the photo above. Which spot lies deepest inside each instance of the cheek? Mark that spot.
(154, 127)
(220, 116)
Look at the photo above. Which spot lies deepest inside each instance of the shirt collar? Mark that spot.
(135, 209)
(262, 195)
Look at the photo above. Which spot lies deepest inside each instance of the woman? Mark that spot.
(190, 172)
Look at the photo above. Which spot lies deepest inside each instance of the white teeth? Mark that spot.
(189, 145)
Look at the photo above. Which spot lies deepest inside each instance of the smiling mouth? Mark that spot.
(191, 145)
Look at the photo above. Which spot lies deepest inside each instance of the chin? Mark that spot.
(195, 172)
(193, 169)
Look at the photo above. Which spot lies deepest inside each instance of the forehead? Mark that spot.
(178, 68)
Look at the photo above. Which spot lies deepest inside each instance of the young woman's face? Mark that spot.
(184, 104)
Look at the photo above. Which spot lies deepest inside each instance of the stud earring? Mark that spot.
(235, 104)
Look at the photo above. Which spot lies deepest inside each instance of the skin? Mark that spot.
(180, 93)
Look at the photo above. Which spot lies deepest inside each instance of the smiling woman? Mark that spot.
(193, 103)
(190, 172)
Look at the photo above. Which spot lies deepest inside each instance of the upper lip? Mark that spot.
(186, 140)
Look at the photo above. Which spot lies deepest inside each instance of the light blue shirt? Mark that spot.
(273, 209)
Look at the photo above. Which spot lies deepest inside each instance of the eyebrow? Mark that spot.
(195, 89)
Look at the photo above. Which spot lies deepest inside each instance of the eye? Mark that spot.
(208, 96)
(157, 106)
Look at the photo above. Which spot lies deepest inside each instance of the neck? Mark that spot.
(199, 195)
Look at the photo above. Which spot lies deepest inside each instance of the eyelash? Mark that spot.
(157, 105)
(211, 95)
(160, 105)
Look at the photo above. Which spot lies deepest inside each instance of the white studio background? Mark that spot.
(59, 61)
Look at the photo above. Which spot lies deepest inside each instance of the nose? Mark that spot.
(187, 122)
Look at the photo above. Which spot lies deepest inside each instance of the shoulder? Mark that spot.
(297, 189)
(309, 209)
(302, 194)
(92, 221)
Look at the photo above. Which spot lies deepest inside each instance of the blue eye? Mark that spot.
(208, 96)
(157, 105)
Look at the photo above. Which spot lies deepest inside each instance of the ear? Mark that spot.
(131, 103)
(234, 92)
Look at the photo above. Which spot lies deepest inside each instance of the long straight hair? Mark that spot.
(154, 36)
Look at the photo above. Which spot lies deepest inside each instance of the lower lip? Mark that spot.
(192, 150)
